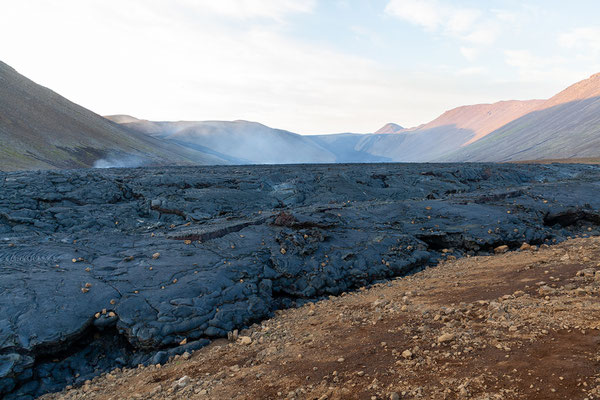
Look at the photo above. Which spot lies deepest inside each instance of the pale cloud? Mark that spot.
(461, 21)
(470, 53)
(473, 27)
(534, 68)
(426, 14)
(366, 34)
(583, 44)
(469, 71)
(159, 63)
(526, 60)
(467, 24)
(483, 35)
(506, 16)
(244, 9)
(256, 59)
(586, 38)
(521, 58)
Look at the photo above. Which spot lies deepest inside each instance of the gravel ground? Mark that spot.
(516, 325)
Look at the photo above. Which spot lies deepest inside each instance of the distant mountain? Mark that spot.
(241, 142)
(245, 142)
(582, 90)
(349, 147)
(482, 119)
(415, 145)
(567, 125)
(40, 129)
(447, 133)
(390, 128)
(564, 126)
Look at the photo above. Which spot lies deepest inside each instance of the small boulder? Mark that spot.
(545, 290)
(245, 340)
(588, 272)
(182, 382)
(501, 249)
(446, 337)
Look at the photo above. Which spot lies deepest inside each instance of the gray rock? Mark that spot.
(221, 266)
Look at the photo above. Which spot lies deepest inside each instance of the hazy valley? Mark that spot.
(40, 129)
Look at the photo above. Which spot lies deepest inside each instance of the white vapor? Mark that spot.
(119, 162)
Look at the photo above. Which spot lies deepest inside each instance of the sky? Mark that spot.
(308, 66)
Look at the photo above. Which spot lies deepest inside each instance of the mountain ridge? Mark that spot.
(483, 118)
(567, 125)
(244, 142)
(390, 127)
(39, 129)
(455, 135)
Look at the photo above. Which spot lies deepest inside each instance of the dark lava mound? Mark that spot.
(108, 268)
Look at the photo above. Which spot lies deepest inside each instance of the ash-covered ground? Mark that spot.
(109, 268)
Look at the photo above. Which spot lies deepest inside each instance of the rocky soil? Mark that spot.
(519, 325)
(114, 268)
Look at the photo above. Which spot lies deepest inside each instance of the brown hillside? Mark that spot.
(39, 129)
(586, 89)
(483, 118)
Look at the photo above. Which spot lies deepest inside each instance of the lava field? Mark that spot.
(119, 267)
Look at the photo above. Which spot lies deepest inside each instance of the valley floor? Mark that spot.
(519, 325)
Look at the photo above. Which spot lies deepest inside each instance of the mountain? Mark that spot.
(40, 129)
(245, 142)
(241, 142)
(390, 128)
(415, 145)
(349, 147)
(564, 126)
(482, 119)
(447, 133)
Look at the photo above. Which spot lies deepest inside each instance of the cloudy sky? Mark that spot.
(309, 66)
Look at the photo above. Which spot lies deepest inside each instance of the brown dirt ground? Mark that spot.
(522, 325)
